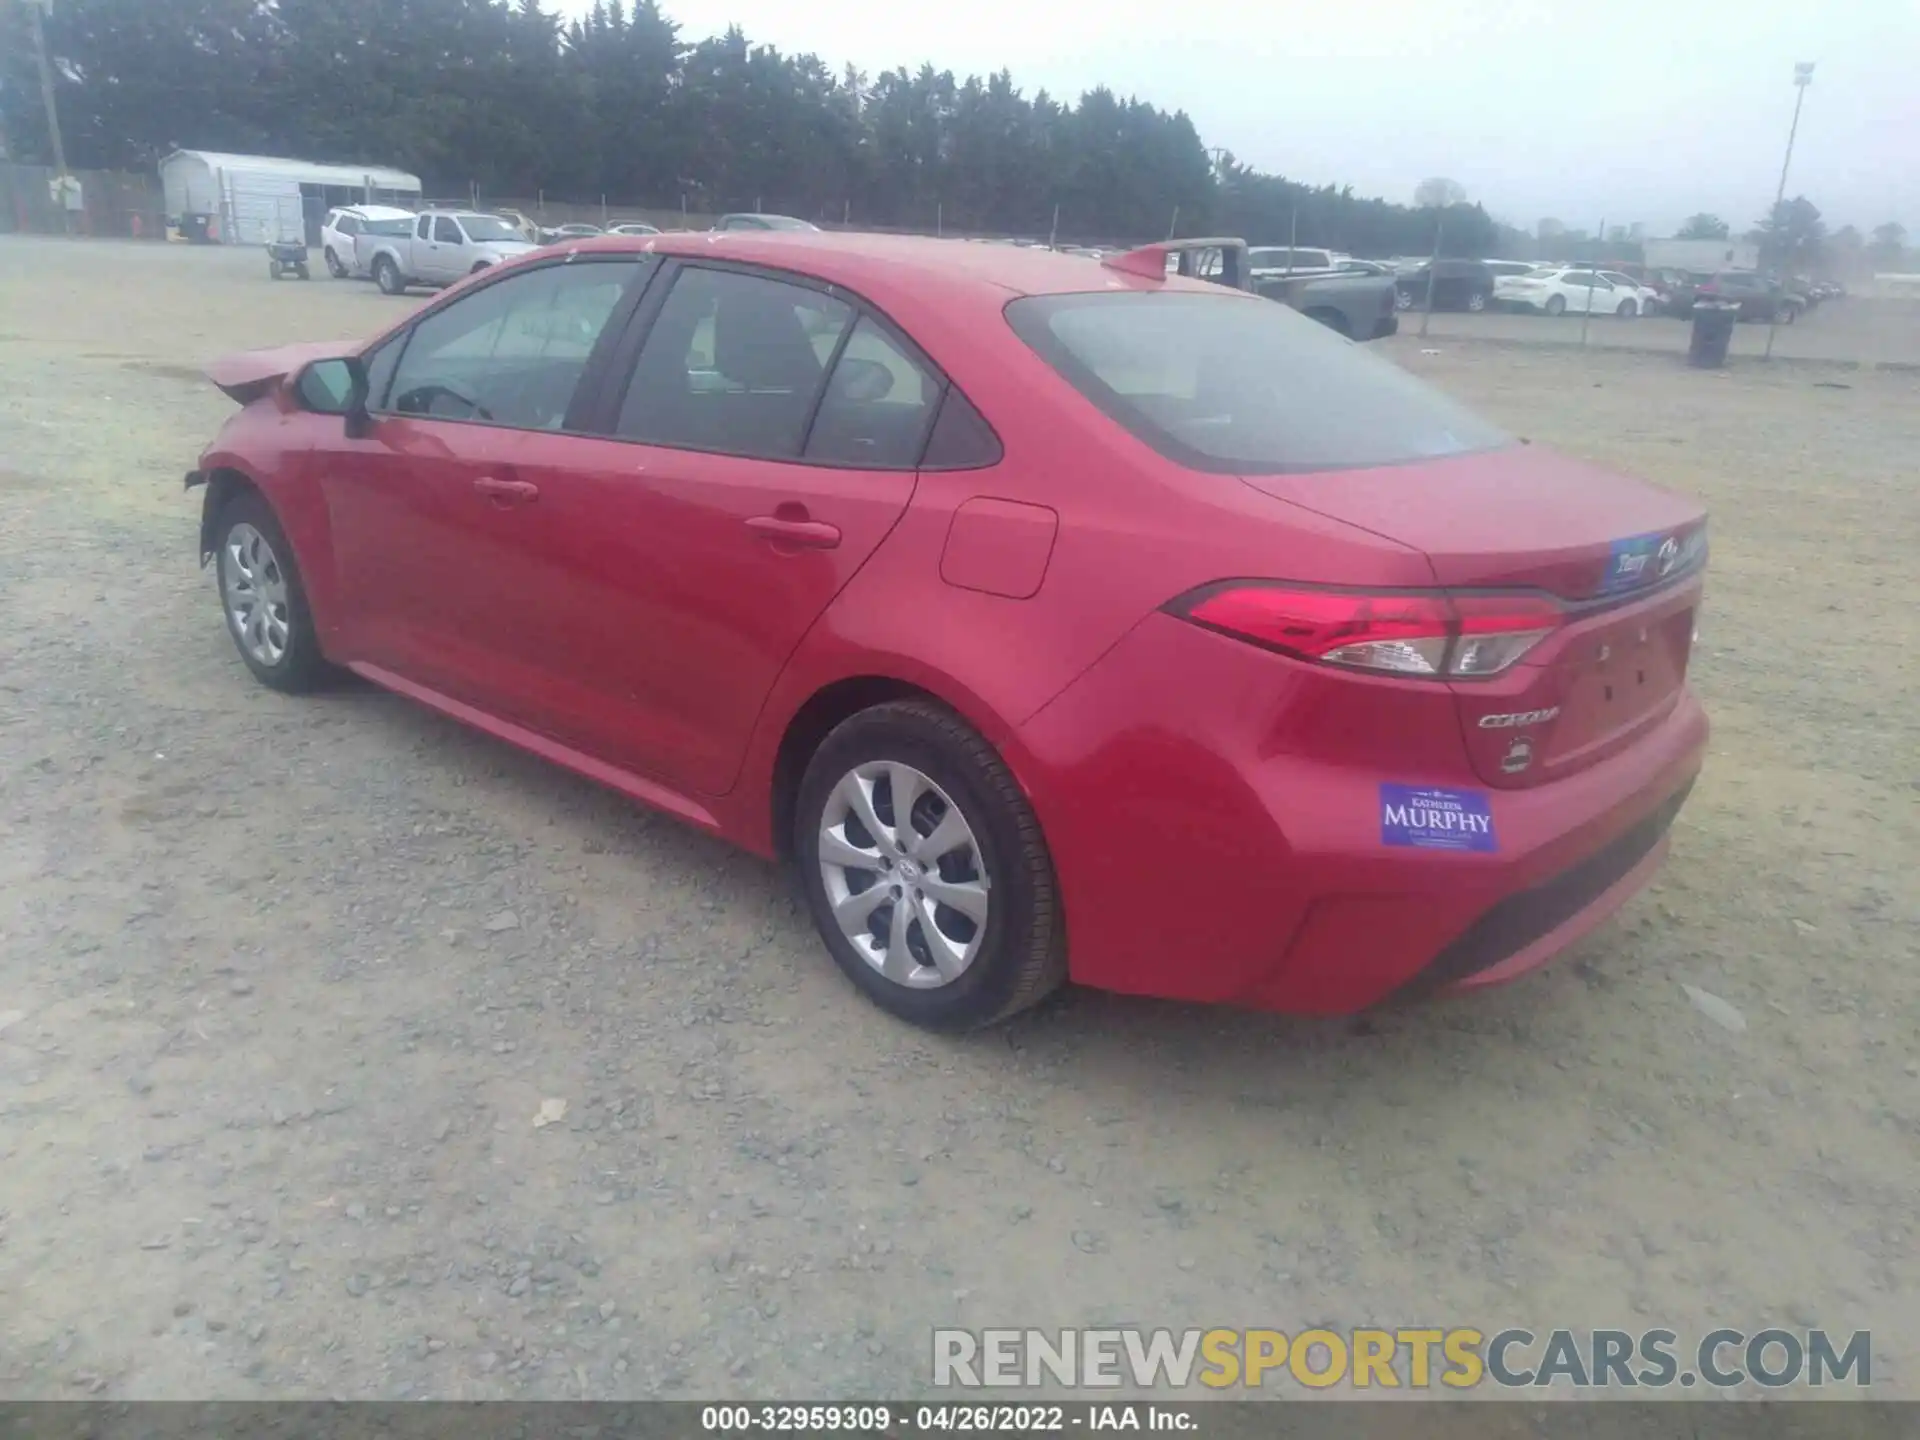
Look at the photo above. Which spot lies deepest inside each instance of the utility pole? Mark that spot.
(1802, 78)
(34, 7)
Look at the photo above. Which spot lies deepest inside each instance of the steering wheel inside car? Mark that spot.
(420, 400)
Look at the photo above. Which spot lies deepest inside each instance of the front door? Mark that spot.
(429, 512)
(764, 447)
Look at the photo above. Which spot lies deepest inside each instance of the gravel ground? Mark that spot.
(287, 986)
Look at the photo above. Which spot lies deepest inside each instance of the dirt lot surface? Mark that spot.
(284, 984)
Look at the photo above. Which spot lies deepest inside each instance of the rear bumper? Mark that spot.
(1206, 853)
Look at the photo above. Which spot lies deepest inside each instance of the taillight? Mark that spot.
(1393, 632)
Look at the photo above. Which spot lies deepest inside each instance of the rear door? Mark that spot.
(761, 443)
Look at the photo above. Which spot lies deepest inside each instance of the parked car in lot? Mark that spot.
(1051, 619)
(340, 233)
(1354, 299)
(442, 247)
(1758, 297)
(766, 222)
(1556, 291)
(576, 230)
(1271, 260)
(633, 227)
(1453, 284)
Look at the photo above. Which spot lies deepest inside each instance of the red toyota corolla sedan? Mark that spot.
(1054, 618)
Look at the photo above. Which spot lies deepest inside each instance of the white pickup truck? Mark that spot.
(442, 247)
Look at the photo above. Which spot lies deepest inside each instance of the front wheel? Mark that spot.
(386, 274)
(1402, 299)
(262, 598)
(925, 869)
(1556, 305)
(1477, 301)
(1788, 313)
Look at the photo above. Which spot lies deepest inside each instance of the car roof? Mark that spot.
(376, 212)
(883, 265)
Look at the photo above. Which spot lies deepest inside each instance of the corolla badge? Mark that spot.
(1516, 718)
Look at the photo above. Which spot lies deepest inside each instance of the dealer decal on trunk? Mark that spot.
(1436, 819)
(1639, 560)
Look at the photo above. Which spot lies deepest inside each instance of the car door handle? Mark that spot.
(805, 534)
(507, 492)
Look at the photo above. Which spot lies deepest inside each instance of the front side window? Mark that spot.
(1231, 385)
(445, 231)
(512, 353)
(349, 225)
(733, 363)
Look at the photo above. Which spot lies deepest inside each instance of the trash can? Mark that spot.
(1712, 332)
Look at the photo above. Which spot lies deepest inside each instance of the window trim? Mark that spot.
(571, 423)
(603, 416)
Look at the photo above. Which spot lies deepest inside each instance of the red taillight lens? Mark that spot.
(1389, 632)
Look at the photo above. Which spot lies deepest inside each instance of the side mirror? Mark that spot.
(336, 387)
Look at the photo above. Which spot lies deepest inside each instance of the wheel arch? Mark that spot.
(811, 723)
(224, 482)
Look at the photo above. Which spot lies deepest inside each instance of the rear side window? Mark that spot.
(734, 363)
(1231, 385)
(877, 406)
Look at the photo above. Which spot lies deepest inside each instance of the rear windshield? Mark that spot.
(1233, 385)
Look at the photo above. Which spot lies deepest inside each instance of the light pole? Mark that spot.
(1802, 78)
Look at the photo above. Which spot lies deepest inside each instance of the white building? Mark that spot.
(251, 199)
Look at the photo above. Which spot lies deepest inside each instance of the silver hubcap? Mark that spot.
(255, 590)
(903, 874)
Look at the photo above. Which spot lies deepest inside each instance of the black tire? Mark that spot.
(300, 666)
(1788, 313)
(1332, 319)
(334, 267)
(1628, 309)
(483, 265)
(1556, 305)
(386, 274)
(1022, 957)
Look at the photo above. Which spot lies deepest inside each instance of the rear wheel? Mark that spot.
(925, 869)
(1402, 299)
(262, 597)
(1556, 305)
(1332, 319)
(386, 274)
(1788, 313)
(334, 267)
(1477, 301)
(1628, 309)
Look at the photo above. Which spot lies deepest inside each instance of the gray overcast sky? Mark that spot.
(1641, 110)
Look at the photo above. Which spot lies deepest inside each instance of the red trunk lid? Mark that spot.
(1623, 555)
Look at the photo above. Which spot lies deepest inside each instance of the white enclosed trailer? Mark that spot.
(252, 199)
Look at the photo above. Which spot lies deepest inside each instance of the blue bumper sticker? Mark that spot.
(1638, 560)
(1436, 819)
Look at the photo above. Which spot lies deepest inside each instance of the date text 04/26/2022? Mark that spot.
(961, 1417)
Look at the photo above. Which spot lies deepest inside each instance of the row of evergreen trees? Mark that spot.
(502, 95)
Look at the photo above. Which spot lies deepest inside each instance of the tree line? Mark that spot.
(506, 97)
(1793, 236)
